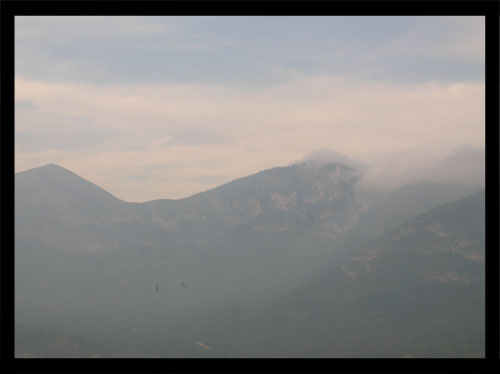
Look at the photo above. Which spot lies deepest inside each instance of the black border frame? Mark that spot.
(489, 9)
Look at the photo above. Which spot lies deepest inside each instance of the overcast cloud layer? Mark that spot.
(164, 107)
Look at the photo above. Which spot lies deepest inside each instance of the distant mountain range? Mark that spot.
(302, 246)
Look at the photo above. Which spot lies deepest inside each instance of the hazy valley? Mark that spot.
(296, 261)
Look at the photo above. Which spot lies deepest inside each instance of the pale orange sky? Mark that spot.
(143, 140)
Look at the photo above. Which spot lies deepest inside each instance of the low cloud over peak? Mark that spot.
(328, 155)
(464, 165)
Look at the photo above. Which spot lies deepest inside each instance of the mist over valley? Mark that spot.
(305, 260)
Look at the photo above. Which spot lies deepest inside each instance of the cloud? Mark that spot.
(116, 132)
(73, 28)
(251, 51)
(164, 107)
(25, 105)
(48, 130)
(113, 49)
(457, 38)
(464, 165)
(327, 155)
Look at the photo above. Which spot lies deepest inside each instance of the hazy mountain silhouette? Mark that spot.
(87, 262)
(416, 291)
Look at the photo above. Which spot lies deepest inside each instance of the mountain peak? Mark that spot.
(52, 165)
(58, 182)
(45, 169)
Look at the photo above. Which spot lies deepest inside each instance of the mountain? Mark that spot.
(410, 201)
(90, 264)
(57, 196)
(102, 256)
(416, 291)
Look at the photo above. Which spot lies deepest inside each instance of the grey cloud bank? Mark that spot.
(118, 50)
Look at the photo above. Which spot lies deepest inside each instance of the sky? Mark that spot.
(165, 107)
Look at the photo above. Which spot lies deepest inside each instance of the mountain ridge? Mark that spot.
(224, 251)
(52, 170)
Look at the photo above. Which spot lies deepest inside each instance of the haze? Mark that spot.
(249, 187)
(165, 107)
